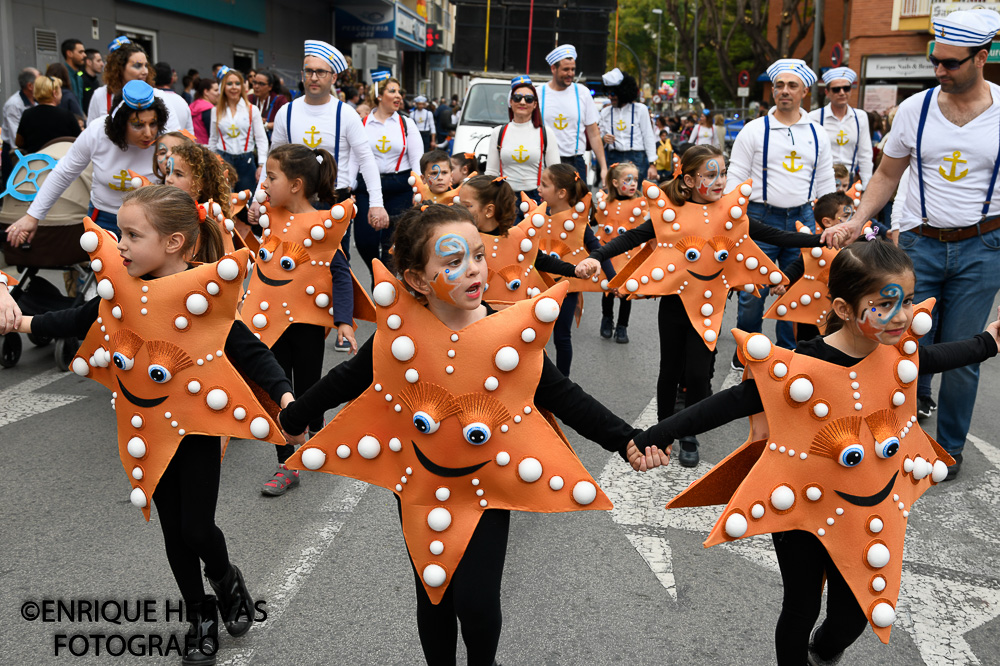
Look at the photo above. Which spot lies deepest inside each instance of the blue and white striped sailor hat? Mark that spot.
(561, 53)
(794, 65)
(328, 52)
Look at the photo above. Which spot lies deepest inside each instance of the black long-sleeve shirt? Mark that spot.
(251, 356)
(555, 393)
(743, 400)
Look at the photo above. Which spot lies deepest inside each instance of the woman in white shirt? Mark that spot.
(703, 134)
(122, 141)
(237, 132)
(626, 126)
(524, 147)
(126, 62)
(397, 146)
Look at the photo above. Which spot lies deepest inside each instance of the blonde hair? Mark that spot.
(220, 106)
(384, 83)
(45, 88)
(720, 119)
(171, 210)
(840, 171)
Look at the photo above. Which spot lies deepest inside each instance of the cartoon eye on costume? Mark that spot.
(852, 455)
(158, 373)
(888, 448)
(721, 255)
(122, 362)
(554, 255)
(425, 423)
(165, 360)
(722, 246)
(690, 247)
(476, 433)
(511, 276)
(836, 437)
(287, 263)
(292, 255)
(885, 428)
(621, 230)
(514, 284)
(608, 229)
(264, 254)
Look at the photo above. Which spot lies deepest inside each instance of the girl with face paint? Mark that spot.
(614, 218)
(439, 257)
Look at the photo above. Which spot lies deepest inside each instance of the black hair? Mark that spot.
(861, 268)
(163, 74)
(466, 160)
(973, 50)
(116, 124)
(627, 91)
(204, 85)
(91, 53)
(217, 65)
(565, 177)
(433, 157)
(830, 204)
(414, 228)
(315, 166)
(489, 190)
(272, 79)
(350, 92)
(68, 45)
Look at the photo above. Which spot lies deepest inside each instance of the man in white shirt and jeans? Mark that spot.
(568, 109)
(788, 157)
(949, 137)
(850, 139)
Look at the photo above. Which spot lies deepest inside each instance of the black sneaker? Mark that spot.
(925, 405)
(688, 456)
(621, 335)
(953, 470)
(735, 363)
(607, 327)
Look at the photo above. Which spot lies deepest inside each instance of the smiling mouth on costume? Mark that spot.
(706, 278)
(870, 500)
(268, 281)
(136, 400)
(439, 470)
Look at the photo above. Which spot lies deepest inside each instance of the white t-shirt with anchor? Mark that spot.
(386, 140)
(239, 134)
(315, 126)
(424, 120)
(792, 158)
(111, 166)
(632, 128)
(559, 112)
(520, 153)
(957, 162)
(844, 138)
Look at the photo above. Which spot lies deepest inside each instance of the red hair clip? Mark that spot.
(202, 213)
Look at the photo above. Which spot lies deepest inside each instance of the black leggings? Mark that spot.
(683, 356)
(608, 308)
(397, 197)
(803, 562)
(299, 352)
(472, 597)
(562, 333)
(185, 501)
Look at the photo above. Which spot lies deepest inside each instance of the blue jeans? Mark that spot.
(751, 309)
(104, 219)
(964, 279)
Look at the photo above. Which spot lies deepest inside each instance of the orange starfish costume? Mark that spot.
(462, 398)
(701, 253)
(808, 300)
(826, 433)
(291, 281)
(617, 217)
(7, 280)
(422, 192)
(171, 330)
(561, 235)
(511, 263)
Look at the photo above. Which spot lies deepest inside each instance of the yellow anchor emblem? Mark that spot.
(621, 125)
(791, 167)
(956, 159)
(520, 157)
(233, 131)
(385, 146)
(311, 141)
(842, 139)
(560, 122)
(124, 181)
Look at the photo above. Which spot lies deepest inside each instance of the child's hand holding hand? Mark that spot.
(587, 268)
(346, 332)
(652, 458)
(780, 290)
(994, 328)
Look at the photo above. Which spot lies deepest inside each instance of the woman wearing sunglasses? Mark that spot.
(850, 141)
(521, 149)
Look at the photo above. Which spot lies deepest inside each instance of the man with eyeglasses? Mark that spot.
(850, 142)
(267, 101)
(568, 108)
(318, 119)
(949, 137)
(788, 157)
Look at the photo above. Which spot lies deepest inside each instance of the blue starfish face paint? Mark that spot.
(630, 183)
(875, 318)
(712, 178)
(452, 248)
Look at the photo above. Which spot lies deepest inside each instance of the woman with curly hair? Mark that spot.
(626, 127)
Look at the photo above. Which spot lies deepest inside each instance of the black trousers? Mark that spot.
(684, 357)
(299, 352)
(608, 308)
(472, 598)
(562, 333)
(185, 501)
(803, 562)
(397, 197)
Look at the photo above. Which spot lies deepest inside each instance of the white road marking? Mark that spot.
(949, 584)
(20, 400)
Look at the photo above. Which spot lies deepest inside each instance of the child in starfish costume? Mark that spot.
(432, 184)
(559, 224)
(835, 458)
(164, 337)
(701, 237)
(301, 283)
(10, 314)
(463, 167)
(624, 208)
(449, 409)
(517, 270)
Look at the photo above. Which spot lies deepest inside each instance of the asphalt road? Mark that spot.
(630, 586)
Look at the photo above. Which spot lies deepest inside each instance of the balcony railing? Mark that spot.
(913, 8)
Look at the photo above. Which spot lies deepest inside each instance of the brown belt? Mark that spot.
(959, 233)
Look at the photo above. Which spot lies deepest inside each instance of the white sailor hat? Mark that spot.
(613, 78)
(328, 52)
(794, 65)
(561, 53)
(419, 99)
(840, 73)
(968, 27)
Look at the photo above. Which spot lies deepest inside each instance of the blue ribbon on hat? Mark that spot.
(118, 42)
(561, 53)
(521, 80)
(328, 52)
(380, 75)
(222, 72)
(136, 95)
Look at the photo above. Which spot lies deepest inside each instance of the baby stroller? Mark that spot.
(56, 245)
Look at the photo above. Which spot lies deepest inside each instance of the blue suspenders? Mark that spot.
(857, 128)
(631, 127)
(576, 90)
(336, 143)
(812, 177)
(924, 109)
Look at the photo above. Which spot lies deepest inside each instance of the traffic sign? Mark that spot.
(743, 91)
(837, 54)
(743, 80)
(693, 86)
